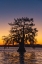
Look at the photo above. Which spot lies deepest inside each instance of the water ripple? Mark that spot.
(31, 56)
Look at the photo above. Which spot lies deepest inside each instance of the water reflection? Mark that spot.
(10, 58)
(30, 58)
(18, 58)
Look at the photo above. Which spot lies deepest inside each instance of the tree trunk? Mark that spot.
(21, 47)
(21, 44)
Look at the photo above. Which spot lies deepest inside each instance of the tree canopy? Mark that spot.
(22, 30)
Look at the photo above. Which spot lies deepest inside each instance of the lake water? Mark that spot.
(11, 56)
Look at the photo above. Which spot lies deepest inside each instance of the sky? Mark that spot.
(10, 9)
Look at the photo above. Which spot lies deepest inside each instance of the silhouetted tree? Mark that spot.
(22, 30)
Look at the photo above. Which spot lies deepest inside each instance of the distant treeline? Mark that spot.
(37, 45)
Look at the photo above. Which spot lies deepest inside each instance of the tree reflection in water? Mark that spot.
(19, 58)
(30, 58)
